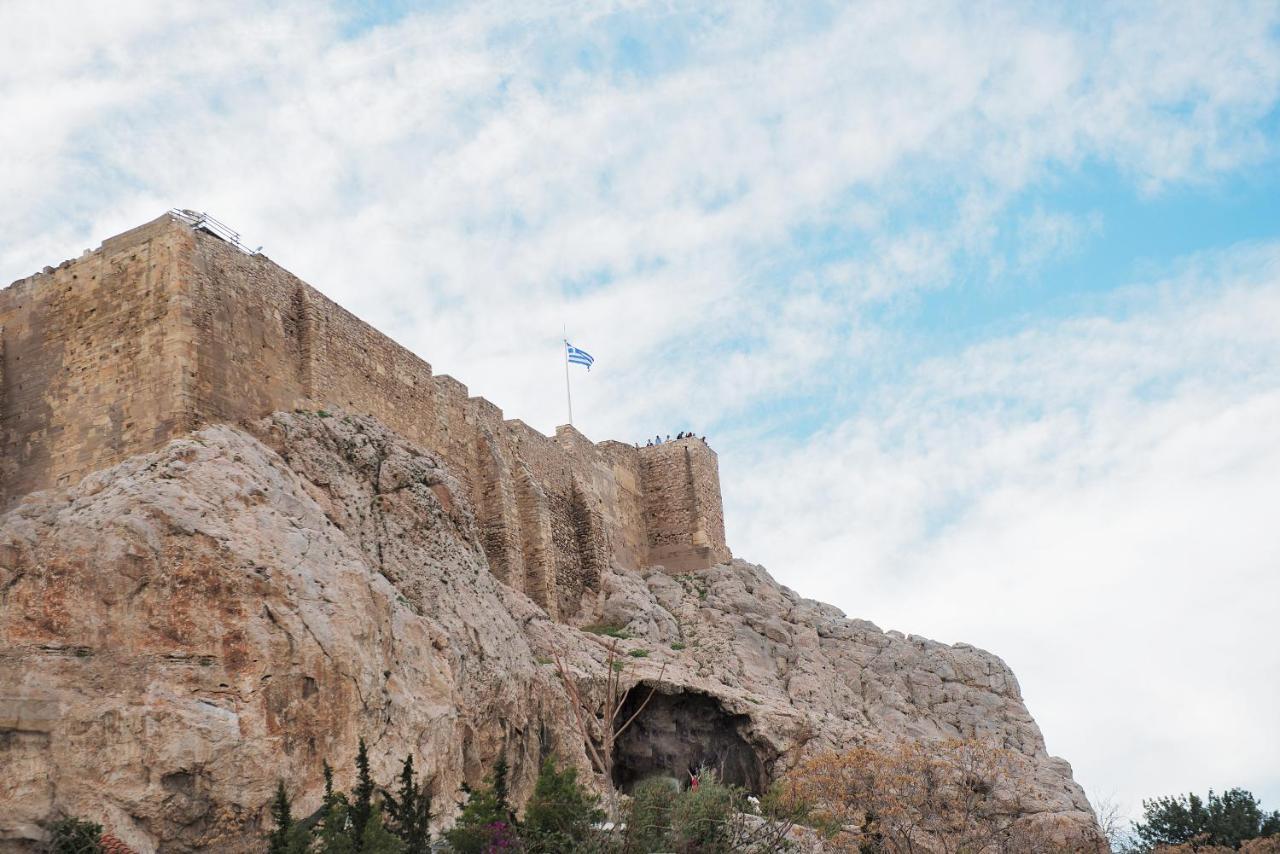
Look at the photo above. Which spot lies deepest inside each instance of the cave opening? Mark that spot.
(676, 734)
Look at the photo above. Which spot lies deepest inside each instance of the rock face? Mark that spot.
(182, 630)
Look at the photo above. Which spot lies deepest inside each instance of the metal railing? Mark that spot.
(220, 230)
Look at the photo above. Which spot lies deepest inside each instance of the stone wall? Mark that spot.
(166, 327)
(96, 362)
(684, 514)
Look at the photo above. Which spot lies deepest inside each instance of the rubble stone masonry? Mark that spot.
(167, 327)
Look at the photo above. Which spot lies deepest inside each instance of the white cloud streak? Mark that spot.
(1095, 499)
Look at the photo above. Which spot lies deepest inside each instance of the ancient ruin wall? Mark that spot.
(684, 514)
(167, 327)
(96, 361)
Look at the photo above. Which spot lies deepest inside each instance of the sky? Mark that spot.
(979, 303)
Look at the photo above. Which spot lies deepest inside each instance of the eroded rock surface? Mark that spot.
(180, 631)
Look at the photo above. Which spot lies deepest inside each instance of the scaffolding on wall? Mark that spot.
(220, 230)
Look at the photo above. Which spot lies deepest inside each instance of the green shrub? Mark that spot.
(639, 653)
(560, 814)
(648, 816)
(1228, 819)
(713, 819)
(482, 823)
(377, 839)
(677, 646)
(610, 629)
(704, 820)
(75, 836)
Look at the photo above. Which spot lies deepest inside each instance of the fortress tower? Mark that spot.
(167, 327)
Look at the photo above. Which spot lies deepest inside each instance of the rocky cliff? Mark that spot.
(181, 630)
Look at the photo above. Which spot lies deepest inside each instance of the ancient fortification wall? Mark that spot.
(167, 327)
(96, 360)
(682, 506)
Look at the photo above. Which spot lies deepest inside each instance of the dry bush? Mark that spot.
(910, 797)
(1112, 823)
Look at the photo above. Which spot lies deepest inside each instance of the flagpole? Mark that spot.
(567, 393)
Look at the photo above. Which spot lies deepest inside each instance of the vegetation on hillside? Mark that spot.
(75, 836)
(1231, 821)
(561, 816)
(895, 798)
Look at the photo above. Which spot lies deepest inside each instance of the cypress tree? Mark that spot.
(287, 837)
(333, 833)
(500, 787)
(410, 811)
(377, 839)
(362, 808)
(420, 842)
(282, 815)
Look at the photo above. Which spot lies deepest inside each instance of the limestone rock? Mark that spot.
(184, 629)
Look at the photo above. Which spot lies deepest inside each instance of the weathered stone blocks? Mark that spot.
(165, 328)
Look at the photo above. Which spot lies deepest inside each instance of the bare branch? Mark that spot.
(652, 688)
(576, 702)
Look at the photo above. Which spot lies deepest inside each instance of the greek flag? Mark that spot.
(578, 357)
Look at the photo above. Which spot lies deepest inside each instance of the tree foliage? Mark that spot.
(336, 833)
(1225, 820)
(75, 836)
(560, 814)
(1261, 845)
(376, 838)
(286, 837)
(717, 818)
(500, 790)
(362, 806)
(482, 825)
(648, 816)
(701, 817)
(410, 811)
(353, 826)
(714, 818)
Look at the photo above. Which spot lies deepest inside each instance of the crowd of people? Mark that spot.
(683, 434)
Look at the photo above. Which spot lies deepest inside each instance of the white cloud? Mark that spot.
(1094, 500)
(445, 175)
(1043, 236)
